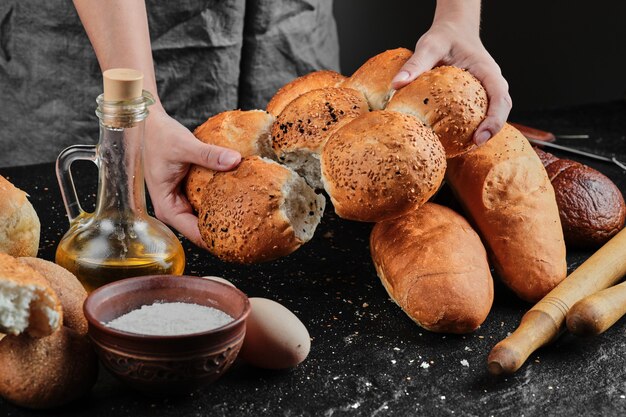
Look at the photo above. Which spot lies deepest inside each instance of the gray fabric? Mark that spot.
(210, 56)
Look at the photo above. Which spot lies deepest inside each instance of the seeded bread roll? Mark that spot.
(68, 289)
(305, 125)
(27, 301)
(381, 165)
(591, 206)
(301, 85)
(374, 77)
(247, 132)
(258, 212)
(47, 372)
(506, 191)
(449, 100)
(19, 224)
(442, 290)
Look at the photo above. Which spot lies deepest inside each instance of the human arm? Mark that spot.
(453, 39)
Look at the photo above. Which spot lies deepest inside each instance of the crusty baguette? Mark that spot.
(302, 85)
(507, 192)
(434, 266)
(27, 301)
(19, 224)
(68, 289)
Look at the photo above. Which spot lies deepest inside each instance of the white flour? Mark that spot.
(170, 319)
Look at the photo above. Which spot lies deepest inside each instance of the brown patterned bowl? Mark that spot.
(157, 364)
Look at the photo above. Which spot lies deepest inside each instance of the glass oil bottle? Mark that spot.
(119, 239)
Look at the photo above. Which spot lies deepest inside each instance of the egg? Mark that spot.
(220, 279)
(275, 337)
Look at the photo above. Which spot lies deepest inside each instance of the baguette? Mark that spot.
(434, 266)
(507, 193)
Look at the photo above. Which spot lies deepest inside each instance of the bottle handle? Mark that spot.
(64, 176)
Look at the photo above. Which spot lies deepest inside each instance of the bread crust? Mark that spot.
(15, 273)
(68, 289)
(374, 77)
(241, 217)
(441, 289)
(381, 165)
(301, 85)
(47, 372)
(247, 132)
(506, 191)
(19, 223)
(448, 99)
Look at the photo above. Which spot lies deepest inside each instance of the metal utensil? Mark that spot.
(578, 152)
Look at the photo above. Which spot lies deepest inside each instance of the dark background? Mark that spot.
(552, 53)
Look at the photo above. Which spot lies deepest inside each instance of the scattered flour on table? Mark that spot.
(170, 319)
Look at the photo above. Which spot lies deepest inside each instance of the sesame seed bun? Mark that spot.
(374, 77)
(448, 99)
(304, 126)
(381, 165)
(247, 132)
(301, 85)
(258, 212)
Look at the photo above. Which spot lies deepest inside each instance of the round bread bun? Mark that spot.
(19, 224)
(301, 85)
(47, 372)
(374, 77)
(381, 165)
(449, 100)
(304, 126)
(258, 212)
(247, 132)
(68, 289)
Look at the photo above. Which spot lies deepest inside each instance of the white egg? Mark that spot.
(275, 337)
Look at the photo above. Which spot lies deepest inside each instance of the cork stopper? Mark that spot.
(121, 84)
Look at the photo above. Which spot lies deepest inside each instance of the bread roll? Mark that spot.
(27, 301)
(591, 206)
(258, 212)
(47, 372)
(247, 132)
(434, 266)
(304, 126)
(374, 77)
(68, 289)
(506, 191)
(448, 99)
(301, 85)
(19, 224)
(381, 165)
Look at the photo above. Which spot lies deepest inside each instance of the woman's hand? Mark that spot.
(453, 39)
(169, 150)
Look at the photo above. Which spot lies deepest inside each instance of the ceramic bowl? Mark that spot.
(157, 364)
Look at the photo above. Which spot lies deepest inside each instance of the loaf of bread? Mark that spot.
(449, 100)
(434, 266)
(19, 224)
(591, 206)
(247, 132)
(303, 127)
(301, 85)
(46, 372)
(507, 193)
(68, 289)
(381, 165)
(258, 212)
(374, 77)
(27, 301)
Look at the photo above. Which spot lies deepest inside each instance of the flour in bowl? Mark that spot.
(170, 319)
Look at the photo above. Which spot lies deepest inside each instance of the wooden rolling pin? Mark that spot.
(542, 323)
(596, 313)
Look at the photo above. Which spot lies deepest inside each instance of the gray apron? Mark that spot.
(210, 56)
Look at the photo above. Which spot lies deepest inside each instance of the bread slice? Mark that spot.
(27, 302)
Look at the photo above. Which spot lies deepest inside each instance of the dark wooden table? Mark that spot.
(367, 355)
